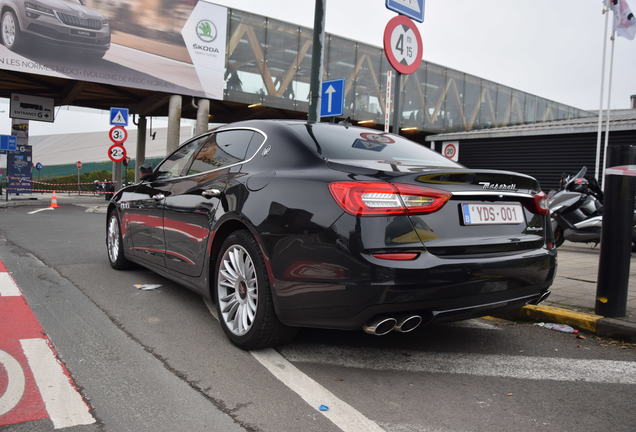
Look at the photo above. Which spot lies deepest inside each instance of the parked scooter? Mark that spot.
(576, 210)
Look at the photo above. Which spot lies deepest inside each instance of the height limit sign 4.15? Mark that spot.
(403, 45)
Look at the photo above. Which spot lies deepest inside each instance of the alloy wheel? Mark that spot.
(113, 239)
(237, 289)
(8, 29)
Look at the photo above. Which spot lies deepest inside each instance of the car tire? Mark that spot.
(558, 237)
(115, 244)
(10, 31)
(243, 295)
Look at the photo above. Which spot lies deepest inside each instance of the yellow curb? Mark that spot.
(582, 320)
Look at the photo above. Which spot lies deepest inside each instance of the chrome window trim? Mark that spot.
(493, 193)
(223, 167)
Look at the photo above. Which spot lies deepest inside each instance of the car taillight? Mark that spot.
(383, 199)
(540, 204)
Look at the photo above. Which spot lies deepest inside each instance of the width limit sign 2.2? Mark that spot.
(117, 153)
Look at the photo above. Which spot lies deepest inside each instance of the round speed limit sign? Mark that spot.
(118, 134)
(403, 45)
(117, 153)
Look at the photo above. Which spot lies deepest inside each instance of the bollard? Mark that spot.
(616, 236)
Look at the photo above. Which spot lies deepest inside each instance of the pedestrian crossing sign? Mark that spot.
(119, 116)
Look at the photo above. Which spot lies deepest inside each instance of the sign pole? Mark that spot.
(317, 53)
(397, 113)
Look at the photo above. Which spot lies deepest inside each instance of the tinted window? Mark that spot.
(256, 142)
(337, 142)
(222, 149)
(177, 161)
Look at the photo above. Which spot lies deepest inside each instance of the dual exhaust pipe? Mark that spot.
(385, 325)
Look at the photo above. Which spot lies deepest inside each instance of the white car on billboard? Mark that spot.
(65, 23)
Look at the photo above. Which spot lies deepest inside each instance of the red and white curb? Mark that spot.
(34, 383)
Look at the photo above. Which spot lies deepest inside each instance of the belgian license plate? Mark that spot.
(492, 214)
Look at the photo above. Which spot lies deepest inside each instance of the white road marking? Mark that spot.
(8, 288)
(509, 366)
(343, 415)
(16, 383)
(40, 210)
(63, 402)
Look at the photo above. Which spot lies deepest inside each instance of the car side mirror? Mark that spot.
(146, 172)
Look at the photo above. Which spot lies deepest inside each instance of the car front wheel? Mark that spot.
(115, 245)
(243, 295)
(10, 29)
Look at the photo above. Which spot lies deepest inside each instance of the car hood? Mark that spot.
(72, 8)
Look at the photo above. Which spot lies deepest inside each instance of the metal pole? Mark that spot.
(78, 180)
(203, 116)
(174, 123)
(397, 109)
(117, 175)
(317, 54)
(609, 98)
(616, 235)
(141, 146)
(600, 105)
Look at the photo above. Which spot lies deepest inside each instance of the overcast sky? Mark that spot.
(551, 48)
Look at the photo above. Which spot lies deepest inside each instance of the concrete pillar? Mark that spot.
(203, 115)
(174, 123)
(141, 145)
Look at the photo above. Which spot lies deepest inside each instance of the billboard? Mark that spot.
(172, 46)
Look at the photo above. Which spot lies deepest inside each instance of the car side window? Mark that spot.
(222, 149)
(256, 142)
(177, 161)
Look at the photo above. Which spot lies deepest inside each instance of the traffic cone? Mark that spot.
(53, 201)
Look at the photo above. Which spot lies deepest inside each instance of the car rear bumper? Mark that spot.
(438, 289)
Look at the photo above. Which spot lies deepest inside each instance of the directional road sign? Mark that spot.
(118, 134)
(332, 98)
(119, 116)
(403, 45)
(413, 9)
(8, 142)
(117, 153)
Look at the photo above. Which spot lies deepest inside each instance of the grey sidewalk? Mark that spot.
(575, 283)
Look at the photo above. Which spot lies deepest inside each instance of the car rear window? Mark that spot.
(336, 142)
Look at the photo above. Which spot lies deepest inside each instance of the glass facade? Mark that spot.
(269, 62)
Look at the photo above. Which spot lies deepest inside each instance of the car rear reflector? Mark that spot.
(397, 256)
(384, 199)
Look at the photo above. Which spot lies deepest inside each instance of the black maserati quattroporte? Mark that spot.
(285, 224)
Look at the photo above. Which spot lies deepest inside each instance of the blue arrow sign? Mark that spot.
(8, 143)
(332, 98)
(413, 9)
(119, 116)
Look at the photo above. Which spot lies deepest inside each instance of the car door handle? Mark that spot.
(211, 193)
(159, 197)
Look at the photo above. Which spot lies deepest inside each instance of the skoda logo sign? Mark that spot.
(206, 30)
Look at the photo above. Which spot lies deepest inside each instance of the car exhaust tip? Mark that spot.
(380, 326)
(408, 323)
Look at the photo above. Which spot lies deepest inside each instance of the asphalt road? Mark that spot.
(158, 361)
